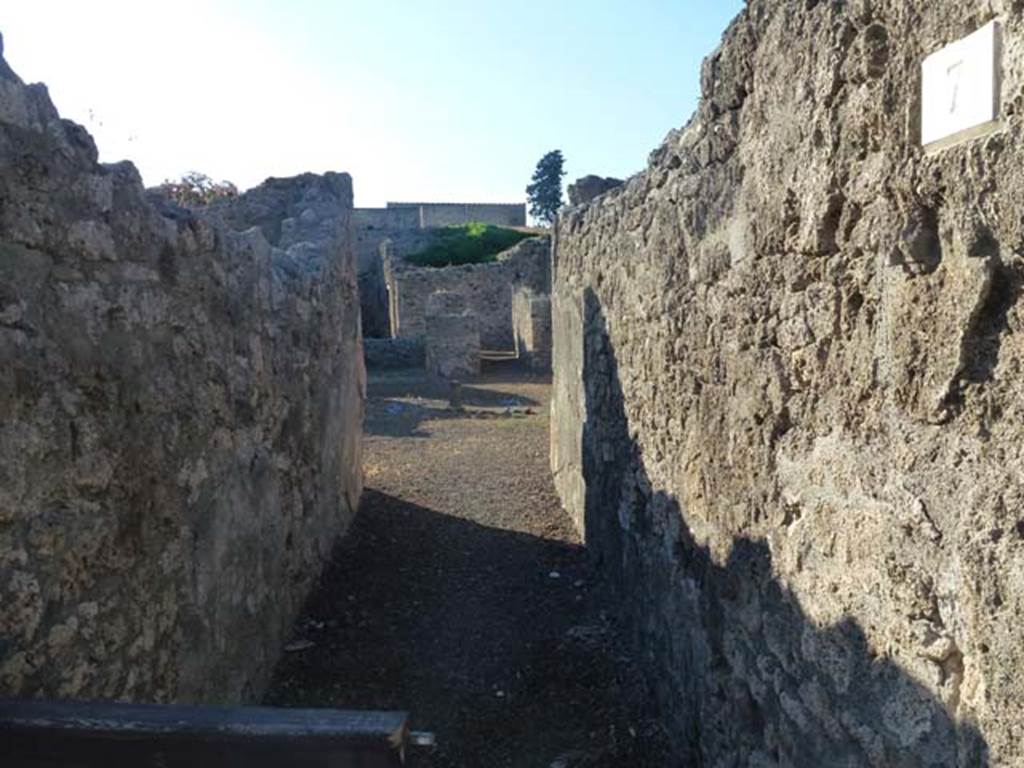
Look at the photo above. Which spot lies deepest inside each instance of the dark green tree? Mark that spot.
(545, 190)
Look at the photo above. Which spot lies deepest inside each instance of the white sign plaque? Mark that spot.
(960, 86)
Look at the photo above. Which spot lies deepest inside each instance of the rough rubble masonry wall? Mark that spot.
(180, 419)
(789, 409)
(487, 289)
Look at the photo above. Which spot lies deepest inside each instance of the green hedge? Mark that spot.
(473, 243)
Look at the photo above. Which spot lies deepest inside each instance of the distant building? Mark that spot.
(446, 214)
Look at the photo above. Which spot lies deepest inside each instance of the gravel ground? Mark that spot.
(463, 596)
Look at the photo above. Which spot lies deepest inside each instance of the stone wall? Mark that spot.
(370, 227)
(180, 419)
(385, 218)
(448, 214)
(585, 189)
(487, 289)
(531, 324)
(409, 227)
(788, 404)
(304, 208)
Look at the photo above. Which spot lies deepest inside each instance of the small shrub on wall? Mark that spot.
(197, 189)
(473, 243)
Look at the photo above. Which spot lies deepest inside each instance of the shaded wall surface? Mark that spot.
(180, 419)
(531, 324)
(370, 228)
(486, 288)
(787, 399)
(384, 354)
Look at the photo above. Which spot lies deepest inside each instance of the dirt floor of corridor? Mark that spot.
(463, 596)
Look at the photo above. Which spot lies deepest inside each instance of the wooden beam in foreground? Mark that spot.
(79, 734)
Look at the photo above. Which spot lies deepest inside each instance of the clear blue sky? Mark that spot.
(452, 100)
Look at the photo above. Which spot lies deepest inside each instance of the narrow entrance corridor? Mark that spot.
(462, 593)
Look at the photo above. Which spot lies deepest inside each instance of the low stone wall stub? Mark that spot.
(531, 320)
(452, 338)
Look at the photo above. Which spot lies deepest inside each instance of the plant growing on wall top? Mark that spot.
(196, 189)
(472, 243)
(545, 190)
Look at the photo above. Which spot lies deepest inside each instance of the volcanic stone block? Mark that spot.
(453, 345)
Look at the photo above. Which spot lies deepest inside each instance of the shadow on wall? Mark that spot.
(741, 676)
